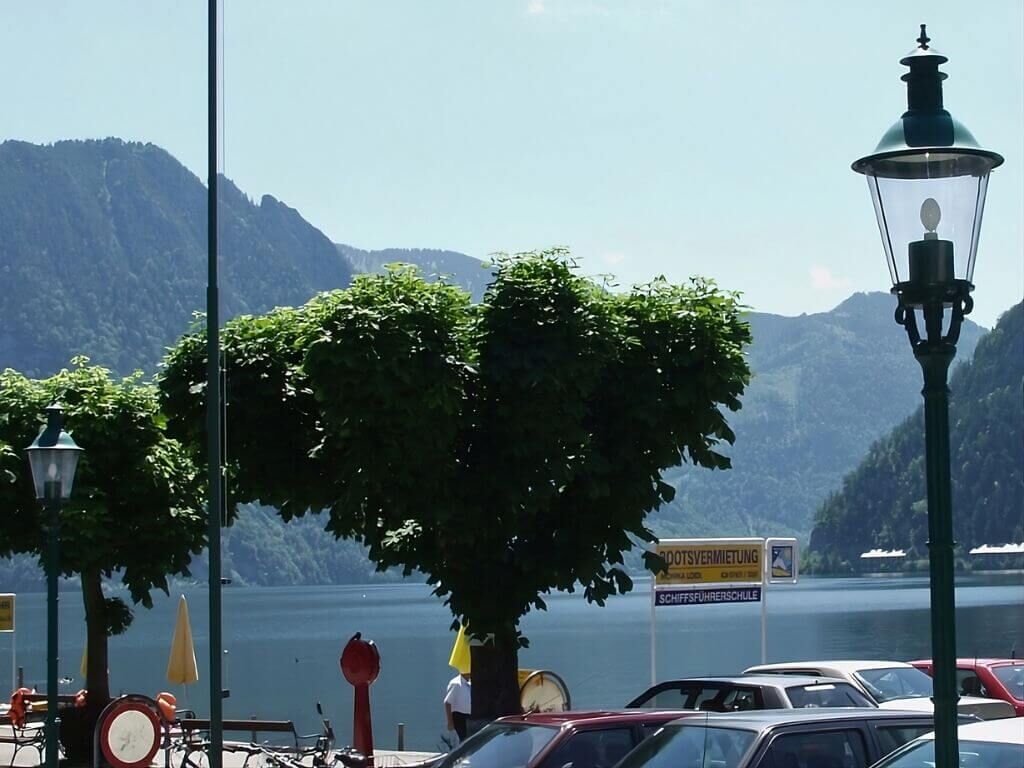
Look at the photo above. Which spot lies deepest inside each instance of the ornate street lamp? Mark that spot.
(928, 178)
(53, 457)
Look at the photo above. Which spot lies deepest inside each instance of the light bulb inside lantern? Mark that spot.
(931, 215)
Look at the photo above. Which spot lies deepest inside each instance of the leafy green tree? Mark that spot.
(504, 450)
(136, 508)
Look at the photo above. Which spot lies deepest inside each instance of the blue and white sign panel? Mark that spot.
(707, 595)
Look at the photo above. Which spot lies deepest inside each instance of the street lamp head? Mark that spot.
(928, 178)
(53, 455)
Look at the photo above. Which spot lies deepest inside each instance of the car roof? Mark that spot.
(1008, 730)
(601, 716)
(844, 665)
(765, 681)
(762, 719)
(972, 662)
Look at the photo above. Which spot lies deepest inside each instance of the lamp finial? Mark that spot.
(923, 39)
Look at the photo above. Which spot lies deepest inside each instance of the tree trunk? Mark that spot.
(78, 723)
(96, 676)
(495, 674)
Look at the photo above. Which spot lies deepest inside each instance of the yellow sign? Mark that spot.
(712, 561)
(6, 613)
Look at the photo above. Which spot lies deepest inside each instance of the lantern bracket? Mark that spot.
(932, 300)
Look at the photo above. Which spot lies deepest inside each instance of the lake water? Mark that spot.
(283, 644)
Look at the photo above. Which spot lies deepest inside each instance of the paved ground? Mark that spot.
(29, 757)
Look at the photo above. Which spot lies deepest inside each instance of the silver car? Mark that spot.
(890, 684)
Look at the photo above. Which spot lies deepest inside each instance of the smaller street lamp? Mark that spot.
(53, 458)
(928, 178)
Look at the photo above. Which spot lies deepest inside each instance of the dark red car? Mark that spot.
(992, 678)
(597, 739)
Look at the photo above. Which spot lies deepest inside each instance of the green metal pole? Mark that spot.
(213, 413)
(935, 360)
(51, 492)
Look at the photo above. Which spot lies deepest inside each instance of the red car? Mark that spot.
(992, 678)
(557, 739)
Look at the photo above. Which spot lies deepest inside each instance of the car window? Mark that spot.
(892, 737)
(1013, 678)
(823, 749)
(600, 748)
(827, 695)
(649, 729)
(674, 697)
(742, 699)
(689, 746)
(973, 754)
(890, 683)
(500, 746)
(969, 684)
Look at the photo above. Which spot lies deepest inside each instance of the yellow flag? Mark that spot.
(460, 652)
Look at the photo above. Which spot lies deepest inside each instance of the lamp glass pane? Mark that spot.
(69, 463)
(898, 207)
(53, 464)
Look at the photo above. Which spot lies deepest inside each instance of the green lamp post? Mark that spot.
(928, 178)
(53, 458)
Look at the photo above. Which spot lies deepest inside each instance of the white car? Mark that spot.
(890, 684)
(992, 744)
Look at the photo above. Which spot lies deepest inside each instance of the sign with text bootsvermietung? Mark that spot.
(693, 562)
(6, 613)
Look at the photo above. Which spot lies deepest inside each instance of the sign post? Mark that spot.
(703, 572)
(714, 571)
(781, 565)
(7, 625)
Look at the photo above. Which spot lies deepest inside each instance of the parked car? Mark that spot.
(557, 739)
(746, 692)
(992, 678)
(780, 738)
(991, 744)
(890, 684)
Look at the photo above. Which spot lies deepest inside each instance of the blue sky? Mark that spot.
(705, 137)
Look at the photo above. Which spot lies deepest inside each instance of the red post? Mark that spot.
(360, 664)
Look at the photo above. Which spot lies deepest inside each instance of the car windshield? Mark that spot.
(891, 683)
(691, 745)
(500, 746)
(1013, 678)
(973, 754)
(827, 695)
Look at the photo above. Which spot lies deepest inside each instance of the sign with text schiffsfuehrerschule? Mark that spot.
(6, 613)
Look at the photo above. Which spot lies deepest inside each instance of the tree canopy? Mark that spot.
(504, 449)
(136, 509)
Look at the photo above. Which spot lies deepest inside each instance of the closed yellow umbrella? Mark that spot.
(181, 666)
(460, 652)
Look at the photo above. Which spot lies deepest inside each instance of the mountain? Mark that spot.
(103, 253)
(825, 386)
(883, 502)
(472, 274)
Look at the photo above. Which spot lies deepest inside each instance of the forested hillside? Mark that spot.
(825, 387)
(883, 502)
(104, 254)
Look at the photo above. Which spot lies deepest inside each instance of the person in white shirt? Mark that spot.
(458, 704)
